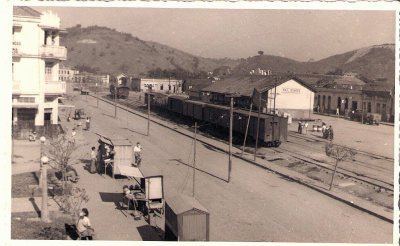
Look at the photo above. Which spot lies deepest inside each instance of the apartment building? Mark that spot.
(36, 55)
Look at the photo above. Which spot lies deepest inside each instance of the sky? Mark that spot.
(216, 33)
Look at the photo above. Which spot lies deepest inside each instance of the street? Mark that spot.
(255, 206)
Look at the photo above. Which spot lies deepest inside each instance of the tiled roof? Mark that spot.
(244, 85)
(25, 11)
(198, 84)
(382, 87)
(320, 79)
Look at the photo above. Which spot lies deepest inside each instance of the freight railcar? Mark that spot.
(272, 129)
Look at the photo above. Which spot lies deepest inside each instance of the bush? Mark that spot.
(51, 233)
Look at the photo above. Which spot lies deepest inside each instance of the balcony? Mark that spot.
(53, 52)
(55, 87)
(16, 49)
(16, 87)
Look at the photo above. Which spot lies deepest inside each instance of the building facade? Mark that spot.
(168, 86)
(67, 74)
(36, 57)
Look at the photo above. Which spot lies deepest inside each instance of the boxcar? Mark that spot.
(193, 109)
(175, 104)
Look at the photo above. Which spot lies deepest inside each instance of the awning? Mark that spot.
(129, 171)
(25, 105)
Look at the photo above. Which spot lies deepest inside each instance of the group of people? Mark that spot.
(106, 154)
(303, 126)
(327, 132)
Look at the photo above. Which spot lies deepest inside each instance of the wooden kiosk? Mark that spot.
(122, 158)
(186, 220)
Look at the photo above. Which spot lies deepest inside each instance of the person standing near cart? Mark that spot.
(93, 159)
(137, 154)
(87, 123)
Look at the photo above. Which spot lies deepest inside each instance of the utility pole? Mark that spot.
(247, 128)
(115, 101)
(230, 138)
(194, 156)
(148, 109)
(97, 95)
(273, 116)
(258, 127)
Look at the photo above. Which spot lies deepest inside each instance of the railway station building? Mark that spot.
(36, 55)
(193, 87)
(285, 95)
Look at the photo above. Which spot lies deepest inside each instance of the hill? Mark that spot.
(108, 51)
(105, 50)
(375, 63)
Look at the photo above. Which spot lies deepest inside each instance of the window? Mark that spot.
(26, 99)
(369, 107)
(48, 67)
(383, 108)
(161, 87)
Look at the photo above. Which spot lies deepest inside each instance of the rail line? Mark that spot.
(369, 154)
(383, 184)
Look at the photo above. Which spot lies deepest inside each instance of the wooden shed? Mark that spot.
(123, 153)
(186, 220)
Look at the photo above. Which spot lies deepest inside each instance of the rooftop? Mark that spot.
(25, 11)
(182, 203)
(244, 85)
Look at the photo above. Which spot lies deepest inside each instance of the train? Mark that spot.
(272, 131)
(122, 91)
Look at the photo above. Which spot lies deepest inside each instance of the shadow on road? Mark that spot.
(150, 233)
(35, 206)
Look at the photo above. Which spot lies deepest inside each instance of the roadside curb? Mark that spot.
(292, 178)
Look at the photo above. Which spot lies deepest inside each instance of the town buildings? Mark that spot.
(36, 57)
(67, 74)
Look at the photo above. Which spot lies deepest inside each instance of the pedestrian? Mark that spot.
(318, 108)
(323, 128)
(299, 127)
(306, 126)
(87, 123)
(71, 174)
(32, 136)
(337, 111)
(330, 133)
(73, 134)
(83, 225)
(93, 159)
(137, 154)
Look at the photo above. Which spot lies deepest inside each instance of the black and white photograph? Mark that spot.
(243, 123)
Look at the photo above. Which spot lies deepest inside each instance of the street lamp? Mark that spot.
(44, 213)
(42, 141)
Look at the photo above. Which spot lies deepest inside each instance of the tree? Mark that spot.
(339, 153)
(60, 152)
(72, 201)
(260, 52)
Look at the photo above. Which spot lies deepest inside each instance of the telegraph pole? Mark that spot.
(194, 156)
(115, 101)
(258, 127)
(148, 109)
(247, 127)
(230, 138)
(97, 95)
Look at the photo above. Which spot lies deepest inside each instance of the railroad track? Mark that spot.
(359, 163)
(368, 154)
(347, 173)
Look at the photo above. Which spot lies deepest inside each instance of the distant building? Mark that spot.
(349, 93)
(158, 85)
(67, 74)
(84, 77)
(36, 57)
(286, 94)
(193, 87)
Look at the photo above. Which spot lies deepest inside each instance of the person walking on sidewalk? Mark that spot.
(84, 226)
(137, 154)
(93, 159)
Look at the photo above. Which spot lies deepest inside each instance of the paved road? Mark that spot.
(255, 206)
